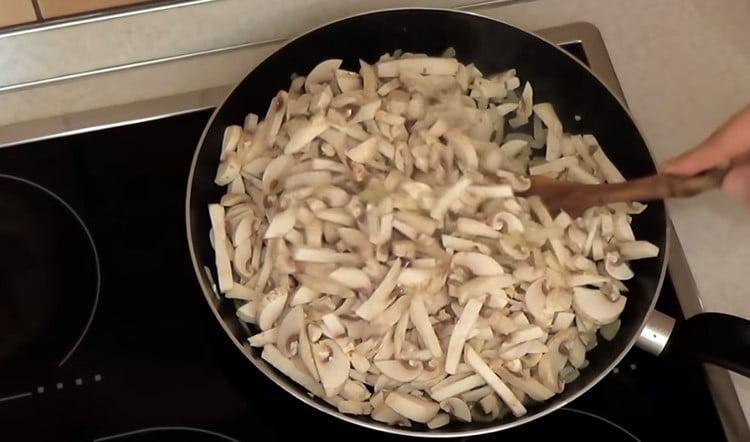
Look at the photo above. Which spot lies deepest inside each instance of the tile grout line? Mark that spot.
(37, 11)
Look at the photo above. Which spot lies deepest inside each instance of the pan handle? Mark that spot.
(716, 338)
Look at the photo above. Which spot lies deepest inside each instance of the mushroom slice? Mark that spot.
(384, 413)
(441, 420)
(400, 370)
(266, 337)
(228, 170)
(553, 361)
(441, 392)
(526, 334)
(506, 222)
(354, 407)
(421, 321)
(223, 265)
(229, 142)
(470, 226)
(595, 306)
(365, 151)
(417, 65)
(562, 321)
(248, 312)
(271, 306)
(457, 408)
(616, 267)
(336, 215)
(522, 349)
(517, 183)
(323, 255)
(288, 335)
(450, 196)
(478, 264)
(481, 368)
(275, 172)
(503, 324)
(332, 326)
(322, 73)
(394, 312)
(366, 112)
(421, 224)
(535, 301)
(412, 407)
(463, 148)
(464, 245)
(273, 356)
(324, 285)
(380, 298)
(483, 285)
(460, 332)
(606, 167)
(631, 250)
(535, 389)
(332, 364)
(348, 81)
(281, 223)
(415, 277)
(609, 331)
(303, 295)
(304, 135)
(351, 277)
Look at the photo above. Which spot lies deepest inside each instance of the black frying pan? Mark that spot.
(493, 46)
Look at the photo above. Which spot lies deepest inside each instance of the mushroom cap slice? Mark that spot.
(477, 263)
(411, 407)
(421, 321)
(323, 72)
(457, 407)
(287, 337)
(596, 306)
(332, 364)
(271, 306)
(616, 267)
(535, 301)
(400, 370)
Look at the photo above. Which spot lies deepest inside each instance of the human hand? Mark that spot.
(727, 146)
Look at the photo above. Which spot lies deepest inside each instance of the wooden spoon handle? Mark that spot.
(662, 186)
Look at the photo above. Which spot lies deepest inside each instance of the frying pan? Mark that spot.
(557, 77)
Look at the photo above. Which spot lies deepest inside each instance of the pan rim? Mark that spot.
(284, 382)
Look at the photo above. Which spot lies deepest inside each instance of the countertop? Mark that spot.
(684, 66)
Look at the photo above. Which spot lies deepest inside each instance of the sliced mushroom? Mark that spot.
(595, 306)
(285, 365)
(502, 390)
(460, 332)
(351, 277)
(420, 65)
(322, 73)
(438, 421)
(380, 298)
(478, 264)
(616, 267)
(457, 408)
(332, 364)
(451, 387)
(411, 407)
(266, 337)
(271, 306)
(637, 250)
(421, 321)
(535, 301)
(400, 370)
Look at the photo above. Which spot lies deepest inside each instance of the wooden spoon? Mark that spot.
(575, 198)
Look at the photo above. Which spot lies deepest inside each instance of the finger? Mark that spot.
(728, 142)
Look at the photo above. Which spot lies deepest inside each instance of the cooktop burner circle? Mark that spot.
(156, 434)
(573, 424)
(49, 279)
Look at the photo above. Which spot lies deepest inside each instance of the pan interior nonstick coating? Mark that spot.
(492, 46)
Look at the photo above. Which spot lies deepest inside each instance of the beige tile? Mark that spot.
(13, 12)
(57, 8)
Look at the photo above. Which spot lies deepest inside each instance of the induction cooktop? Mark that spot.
(105, 334)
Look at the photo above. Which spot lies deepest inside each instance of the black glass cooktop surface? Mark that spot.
(105, 335)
